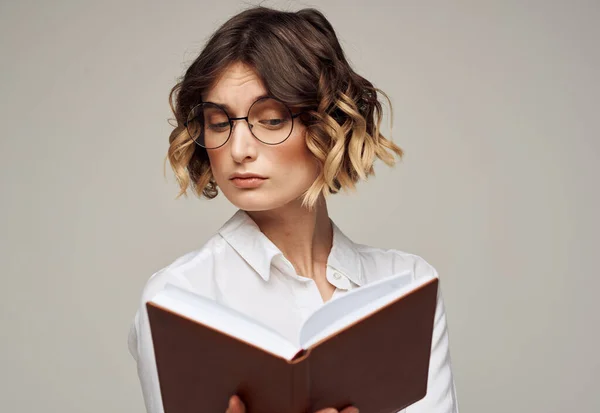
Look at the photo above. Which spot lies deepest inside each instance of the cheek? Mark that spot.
(296, 159)
(217, 162)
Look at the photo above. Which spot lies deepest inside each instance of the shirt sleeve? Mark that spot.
(441, 391)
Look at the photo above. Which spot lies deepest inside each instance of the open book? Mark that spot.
(369, 348)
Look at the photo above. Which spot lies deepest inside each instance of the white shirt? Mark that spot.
(241, 268)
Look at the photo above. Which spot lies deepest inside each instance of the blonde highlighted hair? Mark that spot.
(299, 59)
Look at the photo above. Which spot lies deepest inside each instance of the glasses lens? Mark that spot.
(208, 125)
(271, 121)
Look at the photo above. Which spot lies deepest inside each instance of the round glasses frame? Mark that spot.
(250, 126)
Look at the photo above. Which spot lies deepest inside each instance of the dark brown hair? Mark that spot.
(299, 59)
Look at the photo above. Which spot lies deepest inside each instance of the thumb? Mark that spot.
(235, 405)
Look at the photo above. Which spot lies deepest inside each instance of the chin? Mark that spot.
(257, 199)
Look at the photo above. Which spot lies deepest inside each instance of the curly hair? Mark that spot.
(299, 59)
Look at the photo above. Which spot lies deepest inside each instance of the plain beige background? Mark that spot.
(496, 105)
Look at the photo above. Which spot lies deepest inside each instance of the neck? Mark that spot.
(303, 236)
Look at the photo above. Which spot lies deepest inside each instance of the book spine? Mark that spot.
(300, 385)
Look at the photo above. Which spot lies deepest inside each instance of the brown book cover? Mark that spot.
(379, 363)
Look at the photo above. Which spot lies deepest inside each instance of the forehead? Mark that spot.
(236, 88)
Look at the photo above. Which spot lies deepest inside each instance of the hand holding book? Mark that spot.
(237, 406)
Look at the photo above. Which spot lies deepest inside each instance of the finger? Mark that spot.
(328, 410)
(235, 405)
(229, 405)
(350, 409)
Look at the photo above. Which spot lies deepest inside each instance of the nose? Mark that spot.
(243, 143)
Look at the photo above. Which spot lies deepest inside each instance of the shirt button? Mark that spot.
(337, 275)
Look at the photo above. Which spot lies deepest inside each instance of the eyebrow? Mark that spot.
(228, 108)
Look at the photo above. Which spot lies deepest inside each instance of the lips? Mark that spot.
(247, 180)
(246, 175)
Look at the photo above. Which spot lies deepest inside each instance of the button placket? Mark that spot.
(337, 278)
(305, 293)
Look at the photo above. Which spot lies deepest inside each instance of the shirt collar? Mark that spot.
(246, 238)
(344, 257)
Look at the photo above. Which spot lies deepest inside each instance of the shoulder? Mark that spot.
(381, 262)
(193, 271)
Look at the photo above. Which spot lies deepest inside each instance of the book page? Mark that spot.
(337, 314)
(224, 319)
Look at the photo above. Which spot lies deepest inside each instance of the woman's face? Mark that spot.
(286, 170)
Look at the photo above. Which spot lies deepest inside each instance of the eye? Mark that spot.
(219, 127)
(272, 123)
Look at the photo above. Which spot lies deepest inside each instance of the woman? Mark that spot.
(272, 114)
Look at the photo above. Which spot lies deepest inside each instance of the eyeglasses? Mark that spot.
(270, 120)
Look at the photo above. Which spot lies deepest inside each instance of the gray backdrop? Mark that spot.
(496, 105)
